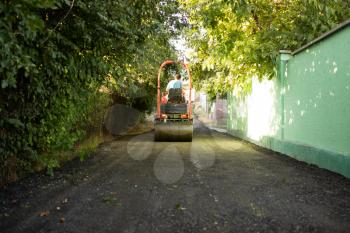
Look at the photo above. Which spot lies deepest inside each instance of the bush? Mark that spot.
(54, 57)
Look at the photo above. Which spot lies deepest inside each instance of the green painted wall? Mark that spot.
(317, 98)
(237, 113)
(305, 111)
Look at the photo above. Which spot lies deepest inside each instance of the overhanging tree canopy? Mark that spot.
(236, 40)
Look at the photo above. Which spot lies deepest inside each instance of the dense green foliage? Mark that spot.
(56, 55)
(236, 40)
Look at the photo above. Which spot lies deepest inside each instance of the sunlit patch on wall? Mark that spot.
(262, 119)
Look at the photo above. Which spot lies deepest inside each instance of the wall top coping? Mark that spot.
(323, 36)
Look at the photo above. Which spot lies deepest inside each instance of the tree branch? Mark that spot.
(59, 22)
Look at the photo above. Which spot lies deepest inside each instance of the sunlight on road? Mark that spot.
(169, 165)
(227, 143)
(140, 147)
(202, 154)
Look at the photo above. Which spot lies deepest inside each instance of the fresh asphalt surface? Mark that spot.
(217, 183)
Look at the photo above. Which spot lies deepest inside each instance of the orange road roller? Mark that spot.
(173, 120)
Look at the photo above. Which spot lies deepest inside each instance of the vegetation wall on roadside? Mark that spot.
(61, 63)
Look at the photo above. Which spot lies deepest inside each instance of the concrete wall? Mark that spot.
(203, 101)
(214, 110)
(317, 98)
(305, 111)
(220, 112)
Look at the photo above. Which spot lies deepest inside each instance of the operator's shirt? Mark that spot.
(174, 84)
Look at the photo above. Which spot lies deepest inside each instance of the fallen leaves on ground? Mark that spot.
(179, 207)
(111, 200)
(44, 213)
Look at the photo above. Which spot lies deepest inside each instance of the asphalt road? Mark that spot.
(217, 183)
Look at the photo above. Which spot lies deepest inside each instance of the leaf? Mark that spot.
(15, 122)
(179, 207)
(44, 213)
(4, 83)
(65, 201)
